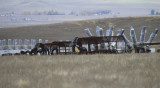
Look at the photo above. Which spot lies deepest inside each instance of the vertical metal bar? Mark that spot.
(15, 42)
(46, 41)
(4, 44)
(59, 49)
(89, 47)
(25, 44)
(0, 44)
(28, 43)
(96, 48)
(20, 44)
(65, 50)
(116, 45)
(40, 40)
(10, 44)
(33, 43)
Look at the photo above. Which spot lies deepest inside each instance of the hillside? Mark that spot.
(69, 30)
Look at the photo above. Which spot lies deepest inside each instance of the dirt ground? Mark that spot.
(69, 30)
(81, 71)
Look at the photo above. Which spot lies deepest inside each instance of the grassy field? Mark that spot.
(81, 71)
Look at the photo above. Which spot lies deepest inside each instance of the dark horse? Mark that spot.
(39, 48)
(82, 50)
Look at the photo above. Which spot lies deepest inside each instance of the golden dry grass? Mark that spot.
(81, 71)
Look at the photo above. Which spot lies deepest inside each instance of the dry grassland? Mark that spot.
(81, 71)
(69, 30)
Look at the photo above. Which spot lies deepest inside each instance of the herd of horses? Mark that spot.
(75, 46)
(55, 48)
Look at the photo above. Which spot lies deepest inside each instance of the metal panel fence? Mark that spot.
(18, 44)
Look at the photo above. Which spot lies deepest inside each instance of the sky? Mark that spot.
(130, 1)
(111, 1)
(25, 4)
(93, 1)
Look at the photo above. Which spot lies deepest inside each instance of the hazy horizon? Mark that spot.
(118, 8)
(20, 5)
(84, 1)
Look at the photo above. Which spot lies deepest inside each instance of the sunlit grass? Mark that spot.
(81, 71)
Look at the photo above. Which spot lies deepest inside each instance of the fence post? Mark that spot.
(10, 47)
(20, 44)
(0, 44)
(40, 41)
(3, 44)
(33, 43)
(15, 43)
(28, 44)
(46, 41)
(25, 44)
